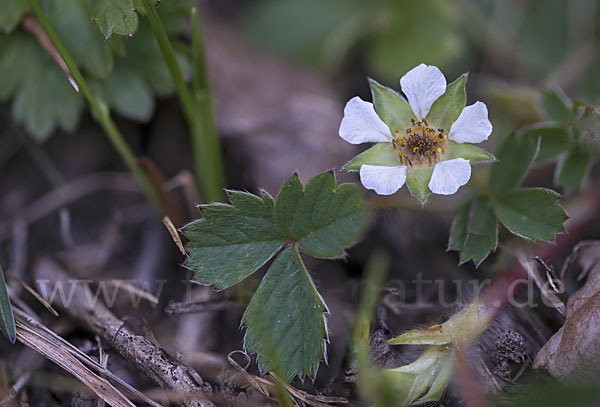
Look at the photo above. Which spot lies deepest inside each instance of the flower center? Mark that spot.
(420, 144)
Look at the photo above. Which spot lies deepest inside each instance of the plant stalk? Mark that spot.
(99, 110)
(197, 107)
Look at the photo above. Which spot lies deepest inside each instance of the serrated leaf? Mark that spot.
(232, 241)
(532, 213)
(556, 105)
(128, 93)
(115, 17)
(417, 181)
(474, 231)
(285, 319)
(475, 155)
(11, 13)
(515, 156)
(379, 154)
(446, 109)
(322, 218)
(391, 108)
(7, 319)
(572, 169)
(70, 18)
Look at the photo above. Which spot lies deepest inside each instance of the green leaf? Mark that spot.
(390, 107)
(446, 109)
(475, 155)
(128, 93)
(71, 20)
(322, 218)
(379, 154)
(17, 52)
(417, 181)
(572, 169)
(7, 319)
(515, 155)
(286, 319)
(115, 17)
(553, 136)
(474, 231)
(232, 241)
(139, 5)
(11, 13)
(35, 103)
(532, 213)
(587, 127)
(556, 105)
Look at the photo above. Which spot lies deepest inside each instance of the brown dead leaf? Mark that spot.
(573, 353)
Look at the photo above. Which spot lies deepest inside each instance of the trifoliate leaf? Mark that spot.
(474, 154)
(11, 12)
(446, 109)
(322, 218)
(417, 181)
(474, 231)
(515, 155)
(128, 93)
(7, 319)
(286, 319)
(532, 213)
(71, 20)
(556, 105)
(115, 17)
(391, 108)
(232, 241)
(379, 154)
(572, 169)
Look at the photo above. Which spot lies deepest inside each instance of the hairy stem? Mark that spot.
(197, 107)
(100, 111)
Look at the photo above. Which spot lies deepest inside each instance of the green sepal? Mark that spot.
(417, 181)
(115, 17)
(323, 219)
(232, 241)
(474, 231)
(446, 109)
(285, 319)
(7, 319)
(531, 213)
(556, 105)
(572, 169)
(390, 107)
(515, 156)
(474, 154)
(380, 154)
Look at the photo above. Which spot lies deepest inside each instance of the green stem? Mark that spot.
(100, 111)
(197, 108)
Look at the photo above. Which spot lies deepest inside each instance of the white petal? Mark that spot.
(472, 126)
(383, 180)
(422, 86)
(361, 123)
(449, 175)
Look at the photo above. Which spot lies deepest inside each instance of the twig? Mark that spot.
(154, 362)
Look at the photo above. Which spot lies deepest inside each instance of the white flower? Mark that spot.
(419, 143)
